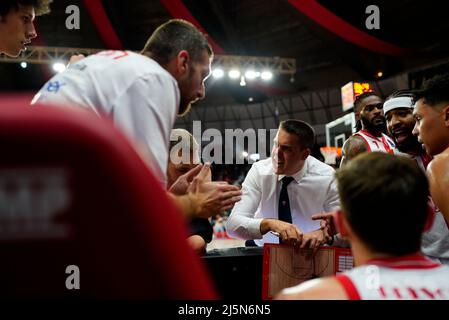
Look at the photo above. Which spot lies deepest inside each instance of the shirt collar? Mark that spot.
(297, 175)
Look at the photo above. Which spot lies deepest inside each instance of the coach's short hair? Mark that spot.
(302, 130)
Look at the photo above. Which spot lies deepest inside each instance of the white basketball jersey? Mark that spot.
(382, 144)
(140, 96)
(413, 277)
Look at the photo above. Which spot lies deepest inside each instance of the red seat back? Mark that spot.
(74, 192)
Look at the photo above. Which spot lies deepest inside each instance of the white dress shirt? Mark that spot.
(313, 191)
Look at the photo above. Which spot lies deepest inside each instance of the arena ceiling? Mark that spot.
(328, 38)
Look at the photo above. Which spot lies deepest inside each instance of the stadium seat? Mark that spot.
(78, 207)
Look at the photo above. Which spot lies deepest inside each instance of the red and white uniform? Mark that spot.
(412, 277)
(421, 160)
(382, 144)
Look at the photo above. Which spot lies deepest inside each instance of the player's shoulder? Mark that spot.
(354, 145)
(328, 288)
(356, 138)
(440, 163)
(318, 167)
(133, 63)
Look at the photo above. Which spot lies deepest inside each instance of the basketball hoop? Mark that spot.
(330, 154)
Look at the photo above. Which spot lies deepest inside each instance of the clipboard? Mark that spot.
(286, 266)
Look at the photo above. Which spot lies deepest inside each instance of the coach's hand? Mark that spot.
(288, 233)
(313, 239)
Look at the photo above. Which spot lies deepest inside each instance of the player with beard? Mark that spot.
(371, 127)
(142, 94)
(398, 109)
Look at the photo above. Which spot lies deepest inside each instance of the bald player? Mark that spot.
(431, 113)
(374, 188)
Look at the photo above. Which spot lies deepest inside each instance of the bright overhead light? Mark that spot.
(380, 74)
(24, 65)
(250, 74)
(58, 67)
(266, 75)
(218, 73)
(254, 157)
(242, 81)
(244, 154)
(234, 74)
(250, 99)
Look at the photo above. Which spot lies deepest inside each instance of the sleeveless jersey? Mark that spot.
(382, 144)
(412, 277)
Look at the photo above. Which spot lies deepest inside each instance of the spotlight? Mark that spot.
(218, 73)
(242, 81)
(250, 99)
(244, 154)
(58, 67)
(250, 74)
(24, 65)
(266, 75)
(254, 157)
(380, 74)
(234, 74)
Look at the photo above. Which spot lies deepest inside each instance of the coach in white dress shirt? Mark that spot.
(312, 190)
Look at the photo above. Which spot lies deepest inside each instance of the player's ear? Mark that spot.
(446, 115)
(182, 61)
(305, 154)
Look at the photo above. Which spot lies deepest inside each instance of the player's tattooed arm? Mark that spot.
(352, 147)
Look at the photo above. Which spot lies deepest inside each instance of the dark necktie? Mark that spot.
(284, 204)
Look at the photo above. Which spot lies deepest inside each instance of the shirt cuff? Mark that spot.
(254, 229)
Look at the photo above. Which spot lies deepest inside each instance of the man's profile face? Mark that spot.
(430, 127)
(191, 85)
(400, 123)
(371, 113)
(17, 30)
(287, 155)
